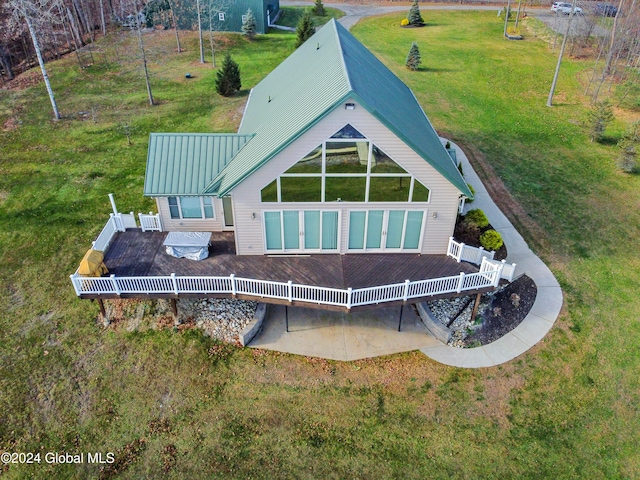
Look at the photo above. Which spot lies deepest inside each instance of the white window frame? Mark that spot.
(202, 205)
(301, 249)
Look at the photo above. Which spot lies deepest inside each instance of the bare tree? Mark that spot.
(200, 31)
(564, 43)
(34, 13)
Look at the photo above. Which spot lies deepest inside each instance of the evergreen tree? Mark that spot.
(600, 115)
(413, 59)
(629, 146)
(414, 14)
(318, 9)
(228, 77)
(249, 25)
(304, 30)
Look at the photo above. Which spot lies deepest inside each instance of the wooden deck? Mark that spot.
(134, 253)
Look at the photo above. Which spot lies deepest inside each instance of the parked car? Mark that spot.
(605, 10)
(565, 7)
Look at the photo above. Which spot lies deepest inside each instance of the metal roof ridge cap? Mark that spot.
(341, 52)
(464, 182)
(282, 146)
(412, 144)
(244, 112)
(218, 178)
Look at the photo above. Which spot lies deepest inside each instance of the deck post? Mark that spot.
(475, 307)
(461, 279)
(406, 291)
(290, 291)
(349, 291)
(174, 310)
(103, 312)
(286, 318)
(115, 284)
(498, 276)
(174, 283)
(400, 319)
(233, 284)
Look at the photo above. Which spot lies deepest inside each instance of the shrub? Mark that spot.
(600, 115)
(491, 240)
(404, 22)
(228, 77)
(413, 58)
(318, 9)
(249, 25)
(477, 218)
(414, 14)
(629, 146)
(304, 30)
(473, 191)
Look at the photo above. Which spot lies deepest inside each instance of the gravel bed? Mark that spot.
(444, 310)
(223, 319)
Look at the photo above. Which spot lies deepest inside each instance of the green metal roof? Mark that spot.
(185, 163)
(328, 69)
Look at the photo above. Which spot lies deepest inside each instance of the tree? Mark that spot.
(414, 15)
(305, 29)
(249, 25)
(564, 43)
(318, 9)
(600, 115)
(629, 146)
(32, 11)
(413, 59)
(228, 77)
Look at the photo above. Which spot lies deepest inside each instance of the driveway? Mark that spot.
(581, 25)
(354, 12)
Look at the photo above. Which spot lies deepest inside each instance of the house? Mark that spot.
(226, 15)
(333, 155)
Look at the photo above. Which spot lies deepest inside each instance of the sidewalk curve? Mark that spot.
(546, 307)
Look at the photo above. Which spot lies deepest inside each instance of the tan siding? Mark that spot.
(443, 198)
(189, 225)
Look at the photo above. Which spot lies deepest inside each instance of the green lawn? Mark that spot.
(169, 405)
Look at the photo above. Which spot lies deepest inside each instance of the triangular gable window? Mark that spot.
(347, 132)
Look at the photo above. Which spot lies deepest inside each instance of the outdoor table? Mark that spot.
(191, 245)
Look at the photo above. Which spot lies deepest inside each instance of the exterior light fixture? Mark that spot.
(434, 215)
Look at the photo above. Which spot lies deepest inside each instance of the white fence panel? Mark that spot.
(127, 220)
(465, 253)
(144, 284)
(319, 295)
(203, 284)
(262, 288)
(150, 222)
(106, 235)
(374, 295)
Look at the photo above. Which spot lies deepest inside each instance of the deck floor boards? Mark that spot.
(134, 253)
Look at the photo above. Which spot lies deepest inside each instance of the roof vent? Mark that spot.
(349, 106)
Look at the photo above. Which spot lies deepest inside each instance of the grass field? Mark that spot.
(176, 405)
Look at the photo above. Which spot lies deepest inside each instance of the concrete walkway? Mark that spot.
(545, 310)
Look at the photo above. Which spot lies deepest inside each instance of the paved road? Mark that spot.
(354, 12)
(580, 25)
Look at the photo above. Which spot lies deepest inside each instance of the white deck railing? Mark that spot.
(488, 277)
(106, 235)
(477, 256)
(150, 222)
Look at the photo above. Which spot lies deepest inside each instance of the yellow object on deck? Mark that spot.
(92, 265)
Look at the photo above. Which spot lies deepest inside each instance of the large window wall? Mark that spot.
(346, 168)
